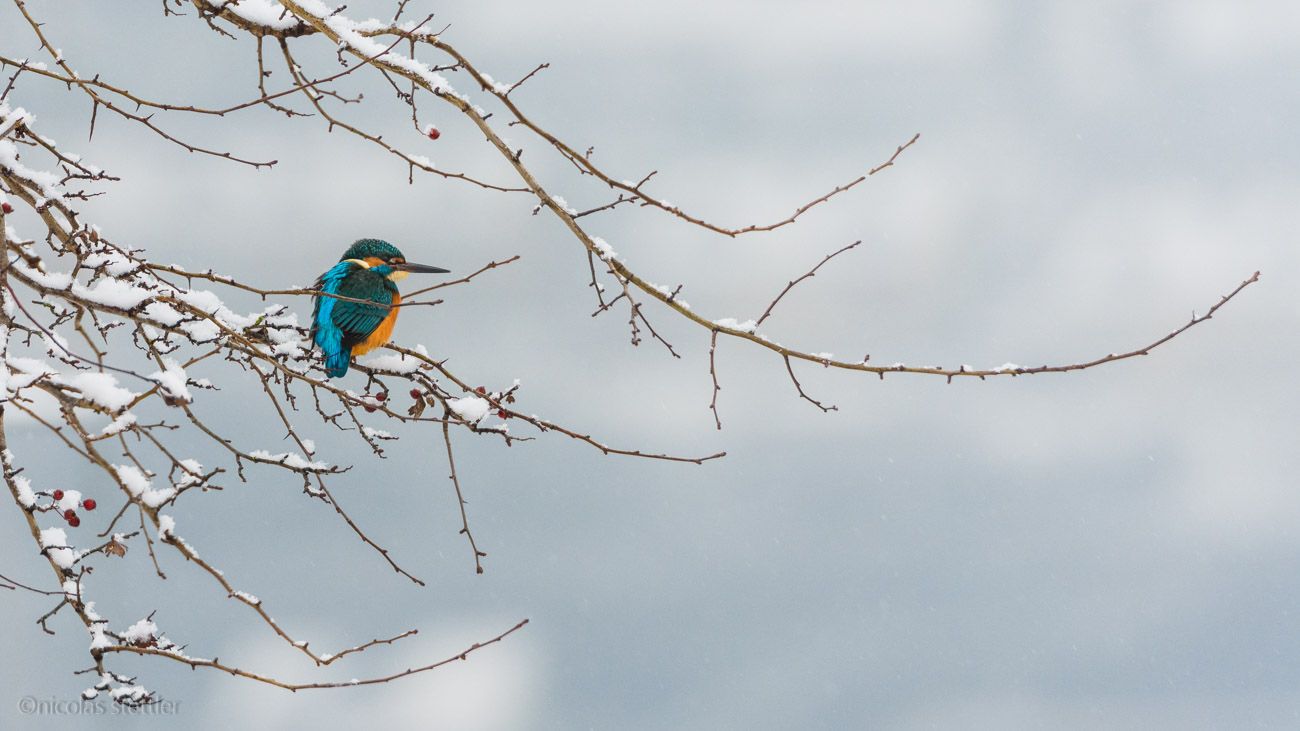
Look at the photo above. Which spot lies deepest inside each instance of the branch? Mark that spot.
(196, 663)
(807, 275)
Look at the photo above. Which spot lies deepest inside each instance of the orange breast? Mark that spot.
(382, 334)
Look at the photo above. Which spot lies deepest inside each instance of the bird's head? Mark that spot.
(385, 259)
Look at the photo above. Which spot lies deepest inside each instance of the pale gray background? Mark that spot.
(1113, 549)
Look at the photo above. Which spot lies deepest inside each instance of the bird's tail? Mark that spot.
(336, 363)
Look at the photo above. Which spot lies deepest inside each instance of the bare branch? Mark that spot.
(807, 275)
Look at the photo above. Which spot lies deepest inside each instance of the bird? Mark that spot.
(369, 270)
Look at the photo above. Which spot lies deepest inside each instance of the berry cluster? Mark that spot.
(381, 397)
(69, 514)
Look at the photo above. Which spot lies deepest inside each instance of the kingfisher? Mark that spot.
(369, 270)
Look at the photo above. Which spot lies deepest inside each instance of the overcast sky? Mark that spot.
(1116, 548)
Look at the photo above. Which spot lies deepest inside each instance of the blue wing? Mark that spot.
(338, 325)
(327, 335)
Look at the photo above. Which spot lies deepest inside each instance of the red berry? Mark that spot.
(89, 504)
(10, 209)
(501, 414)
(381, 396)
(369, 409)
(416, 393)
(74, 521)
(58, 494)
(481, 390)
(69, 515)
(434, 133)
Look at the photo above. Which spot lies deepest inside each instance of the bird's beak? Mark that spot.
(420, 268)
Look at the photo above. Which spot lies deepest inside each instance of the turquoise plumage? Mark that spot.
(342, 327)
